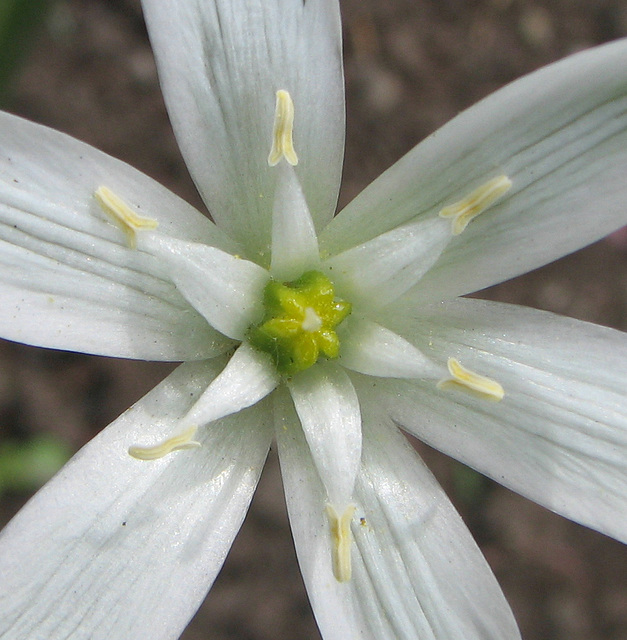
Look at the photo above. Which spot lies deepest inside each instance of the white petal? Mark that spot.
(417, 573)
(384, 268)
(294, 241)
(221, 63)
(369, 348)
(225, 289)
(114, 547)
(67, 278)
(559, 436)
(328, 410)
(249, 377)
(559, 134)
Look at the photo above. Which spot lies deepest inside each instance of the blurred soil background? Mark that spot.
(411, 65)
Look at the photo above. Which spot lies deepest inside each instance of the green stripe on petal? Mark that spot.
(221, 63)
(68, 280)
(559, 135)
(558, 436)
(416, 571)
(149, 537)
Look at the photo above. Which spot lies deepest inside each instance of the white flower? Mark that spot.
(126, 540)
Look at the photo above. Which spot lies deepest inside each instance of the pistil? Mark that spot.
(299, 323)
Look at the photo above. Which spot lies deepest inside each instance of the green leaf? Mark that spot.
(18, 20)
(26, 465)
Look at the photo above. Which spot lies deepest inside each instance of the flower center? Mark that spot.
(299, 322)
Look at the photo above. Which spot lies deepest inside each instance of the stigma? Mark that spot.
(282, 142)
(467, 209)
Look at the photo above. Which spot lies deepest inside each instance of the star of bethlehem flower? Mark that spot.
(324, 333)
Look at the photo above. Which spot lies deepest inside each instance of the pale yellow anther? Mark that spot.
(464, 379)
(341, 538)
(282, 142)
(468, 208)
(176, 443)
(129, 221)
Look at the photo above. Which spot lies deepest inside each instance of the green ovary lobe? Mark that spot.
(299, 322)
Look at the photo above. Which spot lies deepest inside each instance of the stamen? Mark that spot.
(342, 539)
(466, 380)
(468, 208)
(129, 221)
(176, 443)
(282, 143)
